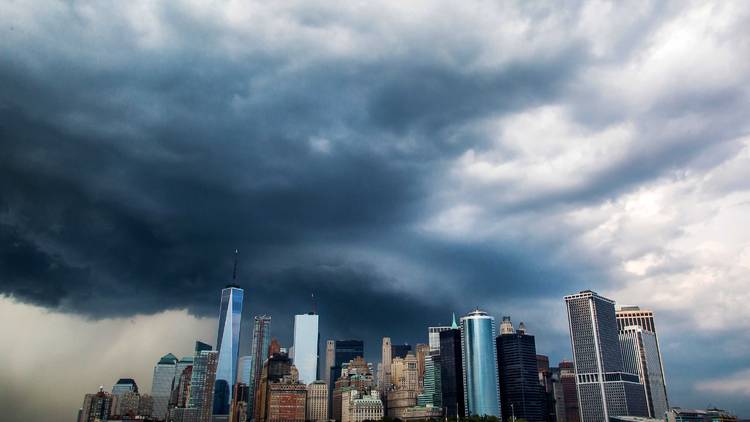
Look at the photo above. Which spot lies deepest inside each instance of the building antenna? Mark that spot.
(314, 304)
(234, 272)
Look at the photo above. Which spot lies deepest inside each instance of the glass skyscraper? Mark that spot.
(641, 356)
(306, 346)
(259, 354)
(479, 355)
(227, 344)
(605, 389)
(161, 388)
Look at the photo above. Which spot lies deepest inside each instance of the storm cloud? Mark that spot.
(400, 161)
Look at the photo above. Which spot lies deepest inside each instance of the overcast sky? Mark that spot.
(400, 159)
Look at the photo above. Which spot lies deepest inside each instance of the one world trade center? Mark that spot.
(227, 344)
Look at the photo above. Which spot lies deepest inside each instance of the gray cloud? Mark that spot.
(371, 155)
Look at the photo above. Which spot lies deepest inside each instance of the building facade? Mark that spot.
(162, 383)
(451, 372)
(570, 411)
(306, 346)
(655, 380)
(227, 345)
(604, 388)
(386, 358)
(479, 357)
(96, 406)
(317, 401)
(522, 395)
(431, 391)
(641, 356)
(286, 402)
(202, 383)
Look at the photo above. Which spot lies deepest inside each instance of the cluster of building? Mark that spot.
(467, 368)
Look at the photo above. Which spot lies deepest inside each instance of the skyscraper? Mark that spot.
(570, 410)
(343, 351)
(227, 344)
(604, 388)
(386, 358)
(433, 336)
(258, 354)
(123, 385)
(641, 356)
(521, 394)
(202, 380)
(422, 350)
(431, 390)
(654, 378)
(400, 350)
(451, 371)
(330, 357)
(306, 346)
(317, 401)
(480, 377)
(96, 406)
(161, 387)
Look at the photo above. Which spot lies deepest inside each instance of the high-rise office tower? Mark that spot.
(96, 406)
(433, 335)
(386, 358)
(480, 377)
(306, 346)
(451, 371)
(228, 345)
(343, 351)
(431, 386)
(521, 394)
(641, 356)
(422, 350)
(181, 390)
(604, 388)
(202, 381)
(546, 381)
(274, 347)
(244, 369)
(400, 350)
(317, 401)
(569, 411)
(161, 387)
(655, 380)
(330, 356)
(259, 353)
(123, 385)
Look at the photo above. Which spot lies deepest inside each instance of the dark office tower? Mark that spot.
(259, 354)
(545, 380)
(451, 372)
(569, 392)
(400, 350)
(344, 351)
(605, 389)
(521, 393)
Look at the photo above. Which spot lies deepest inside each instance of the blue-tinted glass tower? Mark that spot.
(479, 355)
(228, 345)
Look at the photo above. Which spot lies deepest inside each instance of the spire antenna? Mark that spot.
(314, 304)
(234, 272)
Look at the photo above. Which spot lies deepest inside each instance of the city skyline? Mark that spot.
(400, 161)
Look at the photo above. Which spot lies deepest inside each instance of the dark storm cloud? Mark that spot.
(133, 180)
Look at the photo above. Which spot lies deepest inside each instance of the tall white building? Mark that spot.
(654, 378)
(306, 340)
(641, 356)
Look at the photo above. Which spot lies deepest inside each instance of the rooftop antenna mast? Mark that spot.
(314, 304)
(234, 272)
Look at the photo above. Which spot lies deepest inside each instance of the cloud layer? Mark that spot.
(399, 160)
